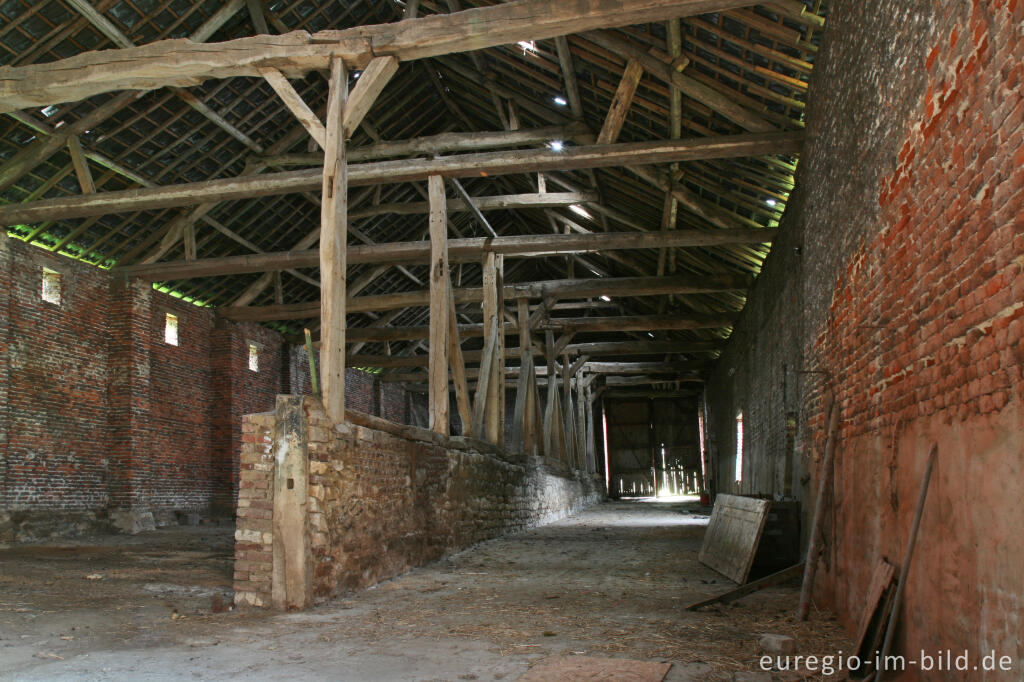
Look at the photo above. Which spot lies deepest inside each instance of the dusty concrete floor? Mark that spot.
(611, 581)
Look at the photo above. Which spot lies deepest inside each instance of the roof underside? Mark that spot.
(759, 57)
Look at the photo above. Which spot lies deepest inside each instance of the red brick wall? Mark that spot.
(899, 281)
(56, 366)
(364, 391)
(99, 413)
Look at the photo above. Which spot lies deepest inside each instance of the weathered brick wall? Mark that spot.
(236, 391)
(99, 414)
(381, 503)
(907, 299)
(364, 391)
(55, 385)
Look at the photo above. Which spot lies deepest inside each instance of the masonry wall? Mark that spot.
(103, 422)
(380, 503)
(898, 285)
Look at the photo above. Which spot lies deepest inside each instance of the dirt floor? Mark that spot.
(612, 581)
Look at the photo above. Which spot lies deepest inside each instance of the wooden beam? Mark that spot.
(309, 120)
(458, 364)
(459, 250)
(492, 318)
(259, 20)
(562, 289)
(642, 367)
(468, 201)
(621, 103)
(572, 88)
(644, 347)
(462, 165)
(484, 203)
(439, 312)
(82, 171)
(639, 323)
(691, 87)
(370, 84)
(181, 63)
(442, 142)
(485, 376)
(333, 242)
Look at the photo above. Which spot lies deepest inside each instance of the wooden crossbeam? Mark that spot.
(461, 165)
(459, 250)
(485, 203)
(562, 289)
(621, 103)
(442, 142)
(181, 63)
(303, 114)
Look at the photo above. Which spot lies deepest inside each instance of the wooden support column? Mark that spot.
(568, 428)
(591, 449)
(333, 240)
(581, 421)
(439, 310)
(458, 367)
(523, 414)
(491, 320)
(499, 361)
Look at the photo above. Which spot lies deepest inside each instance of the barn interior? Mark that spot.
(441, 339)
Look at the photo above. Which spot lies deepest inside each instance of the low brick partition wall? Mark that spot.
(381, 498)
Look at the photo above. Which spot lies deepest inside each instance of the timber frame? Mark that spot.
(477, 198)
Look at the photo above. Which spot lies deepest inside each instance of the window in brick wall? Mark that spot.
(254, 357)
(51, 286)
(171, 329)
(739, 447)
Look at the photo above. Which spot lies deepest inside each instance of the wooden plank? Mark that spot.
(406, 170)
(439, 313)
(751, 587)
(733, 535)
(309, 120)
(82, 171)
(333, 241)
(499, 361)
(621, 103)
(459, 250)
(639, 323)
(874, 603)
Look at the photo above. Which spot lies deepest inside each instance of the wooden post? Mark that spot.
(591, 447)
(458, 368)
(333, 240)
(568, 416)
(581, 422)
(492, 318)
(524, 411)
(499, 282)
(439, 302)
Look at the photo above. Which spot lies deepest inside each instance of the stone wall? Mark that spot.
(898, 283)
(381, 499)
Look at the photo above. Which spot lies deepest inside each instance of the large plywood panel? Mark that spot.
(733, 534)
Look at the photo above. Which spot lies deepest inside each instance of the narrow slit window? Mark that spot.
(171, 329)
(51, 286)
(254, 357)
(739, 447)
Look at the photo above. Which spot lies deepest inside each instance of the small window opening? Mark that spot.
(171, 329)
(51, 286)
(739, 447)
(254, 357)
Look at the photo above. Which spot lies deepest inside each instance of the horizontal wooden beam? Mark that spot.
(184, 64)
(638, 323)
(443, 142)
(485, 203)
(641, 367)
(572, 288)
(643, 347)
(405, 170)
(459, 250)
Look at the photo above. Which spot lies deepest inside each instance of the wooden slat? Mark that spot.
(82, 171)
(333, 242)
(462, 165)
